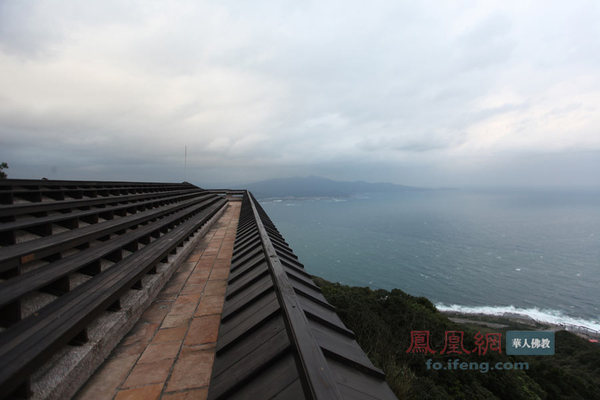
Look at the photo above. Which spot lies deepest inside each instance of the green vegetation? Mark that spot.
(2, 173)
(383, 321)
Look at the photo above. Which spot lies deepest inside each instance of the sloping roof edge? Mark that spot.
(279, 337)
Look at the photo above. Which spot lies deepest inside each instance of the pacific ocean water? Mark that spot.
(531, 252)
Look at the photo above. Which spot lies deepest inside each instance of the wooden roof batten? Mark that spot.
(70, 252)
(280, 338)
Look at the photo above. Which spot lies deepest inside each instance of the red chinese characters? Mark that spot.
(454, 343)
(419, 342)
(491, 342)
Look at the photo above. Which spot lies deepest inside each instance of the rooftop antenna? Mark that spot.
(185, 164)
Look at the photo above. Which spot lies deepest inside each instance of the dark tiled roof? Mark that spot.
(279, 337)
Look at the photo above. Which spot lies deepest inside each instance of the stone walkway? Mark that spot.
(169, 353)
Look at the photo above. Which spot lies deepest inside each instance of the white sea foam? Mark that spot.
(547, 316)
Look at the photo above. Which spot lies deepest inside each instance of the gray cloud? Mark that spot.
(427, 93)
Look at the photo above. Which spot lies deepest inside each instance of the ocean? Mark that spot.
(530, 252)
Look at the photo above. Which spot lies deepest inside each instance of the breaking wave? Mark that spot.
(553, 317)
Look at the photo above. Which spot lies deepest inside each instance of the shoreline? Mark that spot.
(514, 321)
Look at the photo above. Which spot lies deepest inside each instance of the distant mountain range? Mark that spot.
(314, 186)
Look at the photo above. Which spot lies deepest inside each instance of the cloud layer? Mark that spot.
(430, 93)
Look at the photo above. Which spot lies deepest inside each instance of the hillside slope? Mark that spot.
(383, 321)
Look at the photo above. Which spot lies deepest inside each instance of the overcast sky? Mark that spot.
(427, 93)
